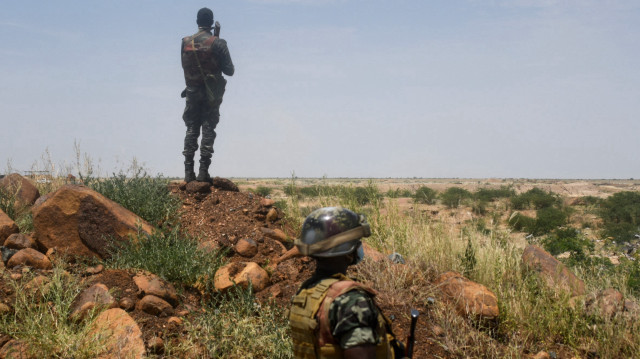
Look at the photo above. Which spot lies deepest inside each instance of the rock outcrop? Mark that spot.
(121, 335)
(225, 184)
(24, 191)
(29, 257)
(81, 222)
(20, 241)
(7, 226)
(553, 271)
(95, 296)
(470, 298)
(241, 273)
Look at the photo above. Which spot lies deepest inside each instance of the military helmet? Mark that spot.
(205, 17)
(332, 232)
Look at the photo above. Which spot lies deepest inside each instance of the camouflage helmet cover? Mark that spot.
(337, 228)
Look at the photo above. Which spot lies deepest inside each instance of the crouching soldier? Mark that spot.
(331, 315)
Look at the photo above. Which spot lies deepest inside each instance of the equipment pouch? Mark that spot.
(215, 88)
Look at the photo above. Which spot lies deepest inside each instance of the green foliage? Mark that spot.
(491, 194)
(7, 203)
(425, 195)
(590, 201)
(621, 215)
(236, 326)
(633, 277)
(534, 198)
(453, 196)
(21, 216)
(567, 240)
(547, 219)
(40, 319)
(398, 193)
(469, 260)
(262, 190)
(171, 255)
(146, 196)
(479, 207)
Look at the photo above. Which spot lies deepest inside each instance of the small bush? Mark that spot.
(263, 191)
(567, 240)
(398, 193)
(171, 255)
(479, 207)
(41, 321)
(425, 195)
(491, 194)
(146, 196)
(547, 219)
(7, 203)
(453, 196)
(236, 326)
(621, 215)
(534, 198)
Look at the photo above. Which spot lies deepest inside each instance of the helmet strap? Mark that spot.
(347, 236)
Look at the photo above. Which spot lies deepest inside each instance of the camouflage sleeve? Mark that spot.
(223, 57)
(353, 318)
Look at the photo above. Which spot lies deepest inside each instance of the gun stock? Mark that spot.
(216, 29)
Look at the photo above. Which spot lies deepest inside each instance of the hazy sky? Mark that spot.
(343, 88)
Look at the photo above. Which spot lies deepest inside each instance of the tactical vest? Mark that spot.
(309, 318)
(199, 63)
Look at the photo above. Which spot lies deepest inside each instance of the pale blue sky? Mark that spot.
(344, 88)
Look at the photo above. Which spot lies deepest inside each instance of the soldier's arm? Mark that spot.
(223, 57)
(362, 351)
(353, 319)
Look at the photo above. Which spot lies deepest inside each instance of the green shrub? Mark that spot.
(263, 191)
(547, 219)
(171, 255)
(520, 222)
(453, 196)
(534, 198)
(491, 194)
(425, 195)
(398, 193)
(567, 240)
(479, 207)
(236, 326)
(7, 203)
(146, 196)
(620, 214)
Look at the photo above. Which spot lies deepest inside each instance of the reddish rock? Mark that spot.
(30, 257)
(371, 254)
(4, 309)
(224, 184)
(198, 187)
(95, 296)
(24, 191)
(7, 226)
(241, 273)
(94, 270)
(156, 345)
(19, 241)
(631, 306)
(81, 222)
(553, 271)
(246, 247)
(470, 298)
(127, 304)
(154, 305)
(209, 246)
(608, 302)
(14, 349)
(267, 202)
(542, 355)
(150, 284)
(272, 215)
(121, 335)
(276, 234)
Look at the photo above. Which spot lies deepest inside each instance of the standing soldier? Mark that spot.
(333, 316)
(205, 57)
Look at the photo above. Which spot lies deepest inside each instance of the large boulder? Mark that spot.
(553, 271)
(24, 191)
(470, 298)
(7, 226)
(20, 241)
(241, 273)
(81, 222)
(225, 184)
(119, 333)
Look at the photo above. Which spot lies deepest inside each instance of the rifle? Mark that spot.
(412, 338)
(216, 29)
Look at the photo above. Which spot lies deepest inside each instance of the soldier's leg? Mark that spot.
(209, 124)
(191, 117)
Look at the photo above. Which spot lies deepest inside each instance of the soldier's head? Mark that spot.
(205, 17)
(332, 235)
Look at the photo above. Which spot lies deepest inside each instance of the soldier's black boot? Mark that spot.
(189, 174)
(203, 174)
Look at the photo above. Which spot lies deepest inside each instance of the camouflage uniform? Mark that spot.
(200, 111)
